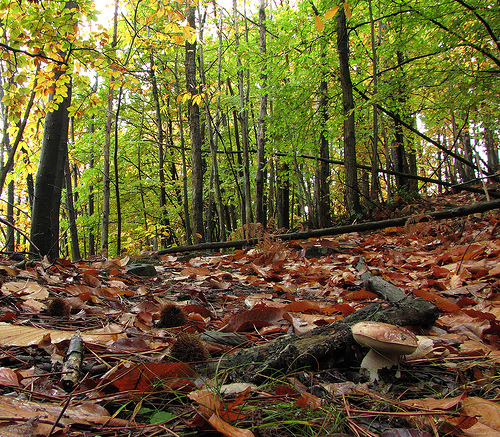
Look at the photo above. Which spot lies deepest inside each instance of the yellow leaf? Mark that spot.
(331, 13)
(16, 335)
(347, 10)
(318, 23)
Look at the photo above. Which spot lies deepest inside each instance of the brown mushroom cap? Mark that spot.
(384, 338)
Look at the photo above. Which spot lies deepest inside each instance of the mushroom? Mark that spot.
(387, 344)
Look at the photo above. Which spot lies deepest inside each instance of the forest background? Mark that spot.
(178, 123)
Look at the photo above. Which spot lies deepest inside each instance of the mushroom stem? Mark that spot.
(374, 361)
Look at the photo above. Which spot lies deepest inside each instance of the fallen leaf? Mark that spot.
(8, 377)
(256, 317)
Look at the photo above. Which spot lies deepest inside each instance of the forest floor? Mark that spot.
(154, 341)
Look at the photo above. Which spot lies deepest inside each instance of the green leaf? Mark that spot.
(161, 416)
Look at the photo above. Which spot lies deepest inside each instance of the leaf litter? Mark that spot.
(154, 346)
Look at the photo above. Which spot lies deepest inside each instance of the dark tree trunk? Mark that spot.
(491, 150)
(70, 207)
(324, 166)
(283, 198)
(353, 204)
(398, 148)
(195, 135)
(50, 177)
(260, 216)
(9, 238)
(164, 222)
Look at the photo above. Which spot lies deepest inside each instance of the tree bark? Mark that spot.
(164, 222)
(375, 184)
(260, 216)
(353, 204)
(324, 218)
(214, 177)
(195, 135)
(491, 150)
(283, 197)
(70, 207)
(50, 175)
(106, 182)
(243, 118)
(185, 200)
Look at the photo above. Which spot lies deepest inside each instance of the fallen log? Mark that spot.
(461, 211)
(332, 345)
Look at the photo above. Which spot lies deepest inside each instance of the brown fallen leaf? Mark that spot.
(257, 317)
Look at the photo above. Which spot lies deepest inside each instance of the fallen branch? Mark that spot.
(360, 227)
(333, 345)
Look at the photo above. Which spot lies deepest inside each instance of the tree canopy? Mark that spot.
(211, 111)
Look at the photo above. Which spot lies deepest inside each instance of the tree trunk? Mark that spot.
(70, 208)
(243, 118)
(375, 185)
(106, 188)
(164, 222)
(195, 135)
(283, 197)
(185, 202)
(260, 216)
(50, 177)
(324, 218)
(353, 204)
(117, 178)
(214, 177)
(491, 150)
(9, 237)
(398, 146)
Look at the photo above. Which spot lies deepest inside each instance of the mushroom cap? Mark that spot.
(385, 338)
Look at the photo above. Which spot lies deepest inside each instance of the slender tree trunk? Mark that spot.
(260, 216)
(195, 135)
(91, 237)
(375, 185)
(117, 179)
(283, 197)
(187, 223)
(324, 219)
(458, 164)
(214, 176)
(9, 238)
(5, 148)
(468, 152)
(491, 150)
(70, 208)
(400, 159)
(243, 118)
(164, 222)
(106, 189)
(239, 157)
(353, 204)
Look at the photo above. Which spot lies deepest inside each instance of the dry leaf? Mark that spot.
(17, 335)
(318, 23)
